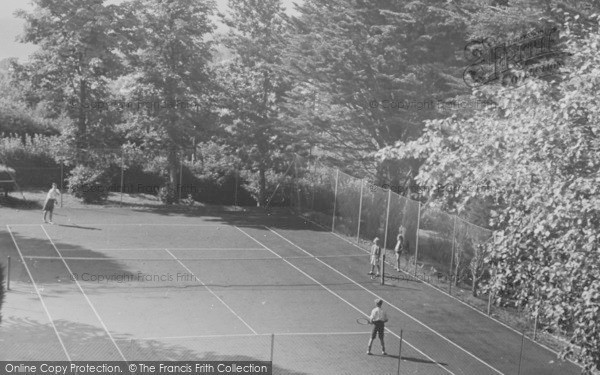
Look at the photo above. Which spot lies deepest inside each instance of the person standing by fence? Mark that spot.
(399, 248)
(375, 254)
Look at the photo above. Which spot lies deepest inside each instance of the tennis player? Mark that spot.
(399, 248)
(378, 318)
(375, 254)
(51, 199)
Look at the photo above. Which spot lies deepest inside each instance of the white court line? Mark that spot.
(154, 259)
(175, 249)
(193, 259)
(246, 335)
(39, 295)
(391, 305)
(83, 225)
(85, 296)
(72, 224)
(211, 291)
(341, 298)
(454, 298)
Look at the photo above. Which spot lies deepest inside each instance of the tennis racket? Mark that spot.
(363, 321)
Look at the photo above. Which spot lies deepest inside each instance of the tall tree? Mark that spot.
(79, 43)
(372, 71)
(169, 76)
(255, 86)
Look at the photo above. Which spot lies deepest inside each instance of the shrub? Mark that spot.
(90, 184)
(167, 194)
(213, 178)
(138, 180)
(33, 159)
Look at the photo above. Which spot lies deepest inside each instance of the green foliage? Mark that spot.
(81, 43)
(351, 57)
(15, 116)
(167, 194)
(90, 184)
(278, 187)
(34, 158)
(533, 152)
(169, 69)
(254, 87)
(216, 174)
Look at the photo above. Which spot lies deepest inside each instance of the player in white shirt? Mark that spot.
(375, 254)
(378, 318)
(51, 199)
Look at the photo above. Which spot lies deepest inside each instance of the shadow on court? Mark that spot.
(25, 339)
(77, 226)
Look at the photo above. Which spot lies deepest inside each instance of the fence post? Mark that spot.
(312, 185)
(535, 321)
(61, 182)
(180, 176)
(297, 186)
(417, 239)
(400, 353)
(122, 176)
(237, 182)
(452, 257)
(362, 184)
(489, 307)
(337, 177)
(384, 250)
(8, 274)
(521, 354)
(387, 220)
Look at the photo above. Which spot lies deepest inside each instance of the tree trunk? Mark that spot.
(173, 164)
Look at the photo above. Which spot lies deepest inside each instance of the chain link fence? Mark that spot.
(438, 248)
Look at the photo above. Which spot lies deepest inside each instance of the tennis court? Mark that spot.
(116, 285)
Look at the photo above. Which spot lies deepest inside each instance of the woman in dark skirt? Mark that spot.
(51, 199)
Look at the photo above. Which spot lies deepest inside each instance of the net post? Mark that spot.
(337, 177)
(400, 352)
(122, 175)
(362, 184)
(521, 354)
(272, 347)
(452, 257)
(417, 239)
(382, 262)
(8, 273)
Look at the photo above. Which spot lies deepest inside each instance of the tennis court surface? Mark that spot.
(116, 285)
